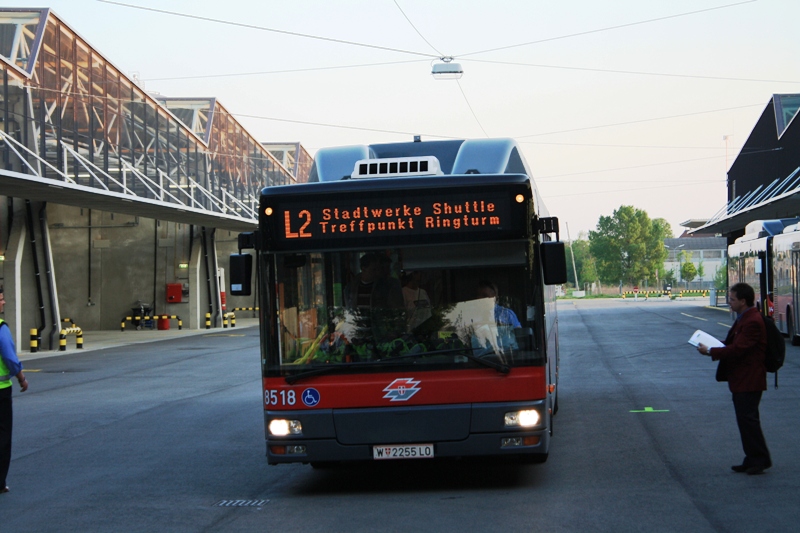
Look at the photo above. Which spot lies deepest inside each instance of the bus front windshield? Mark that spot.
(455, 305)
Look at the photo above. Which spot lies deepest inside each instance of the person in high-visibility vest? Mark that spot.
(10, 367)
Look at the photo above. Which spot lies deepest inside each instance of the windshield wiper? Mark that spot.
(327, 369)
(466, 352)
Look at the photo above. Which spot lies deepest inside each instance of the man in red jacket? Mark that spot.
(741, 364)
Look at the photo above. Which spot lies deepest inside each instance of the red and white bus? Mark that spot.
(408, 305)
(767, 257)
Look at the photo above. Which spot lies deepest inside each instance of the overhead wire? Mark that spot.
(459, 85)
(460, 88)
(640, 181)
(329, 125)
(416, 30)
(629, 122)
(634, 72)
(439, 54)
(608, 28)
(599, 145)
(286, 71)
(325, 125)
(431, 56)
(607, 191)
(553, 176)
(264, 28)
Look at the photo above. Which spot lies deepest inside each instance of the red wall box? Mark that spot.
(174, 293)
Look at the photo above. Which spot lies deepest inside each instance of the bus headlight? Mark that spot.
(522, 419)
(280, 427)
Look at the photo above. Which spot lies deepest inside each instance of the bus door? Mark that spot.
(793, 322)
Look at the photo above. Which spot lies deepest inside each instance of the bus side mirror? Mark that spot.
(554, 262)
(241, 268)
(249, 240)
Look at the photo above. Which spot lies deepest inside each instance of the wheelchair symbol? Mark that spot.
(310, 397)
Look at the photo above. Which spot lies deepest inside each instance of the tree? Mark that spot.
(588, 272)
(701, 270)
(660, 230)
(584, 263)
(628, 246)
(721, 277)
(688, 270)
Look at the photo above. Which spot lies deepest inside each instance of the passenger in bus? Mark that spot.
(501, 337)
(502, 315)
(417, 302)
(377, 299)
(374, 286)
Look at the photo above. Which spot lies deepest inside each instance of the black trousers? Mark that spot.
(753, 443)
(6, 421)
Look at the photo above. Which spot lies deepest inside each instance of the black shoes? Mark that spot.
(750, 470)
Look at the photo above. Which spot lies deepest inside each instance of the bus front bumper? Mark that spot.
(462, 430)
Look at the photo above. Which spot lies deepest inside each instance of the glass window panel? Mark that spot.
(17, 35)
(786, 106)
(66, 85)
(49, 101)
(113, 120)
(360, 308)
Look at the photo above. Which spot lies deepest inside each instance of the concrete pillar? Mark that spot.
(12, 282)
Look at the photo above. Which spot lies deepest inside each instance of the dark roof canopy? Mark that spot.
(764, 181)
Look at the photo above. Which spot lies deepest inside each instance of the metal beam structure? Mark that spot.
(77, 131)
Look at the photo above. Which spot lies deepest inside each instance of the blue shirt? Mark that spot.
(504, 315)
(9, 352)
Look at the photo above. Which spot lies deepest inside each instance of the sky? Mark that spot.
(626, 102)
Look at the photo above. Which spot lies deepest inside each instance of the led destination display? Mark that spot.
(447, 216)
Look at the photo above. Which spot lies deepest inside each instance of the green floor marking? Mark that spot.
(651, 410)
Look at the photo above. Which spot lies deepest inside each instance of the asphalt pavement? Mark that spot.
(169, 436)
(99, 340)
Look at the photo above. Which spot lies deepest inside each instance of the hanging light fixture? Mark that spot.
(447, 70)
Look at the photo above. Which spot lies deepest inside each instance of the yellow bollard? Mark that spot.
(62, 341)
(34, 340)
(208, 320)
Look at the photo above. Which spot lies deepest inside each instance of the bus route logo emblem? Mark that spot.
(401, 389)
(310, 397)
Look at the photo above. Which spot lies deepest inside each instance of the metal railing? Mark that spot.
(161, 190)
